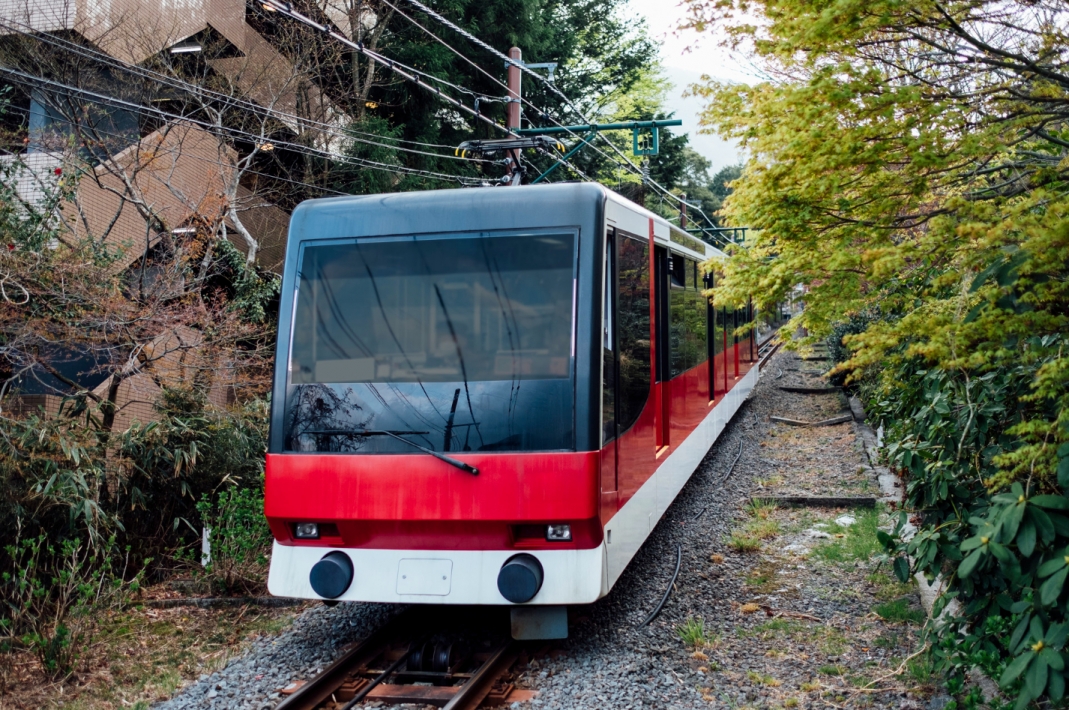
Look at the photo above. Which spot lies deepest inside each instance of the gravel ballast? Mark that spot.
(792, 602)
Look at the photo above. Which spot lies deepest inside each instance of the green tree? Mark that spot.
(910, 169)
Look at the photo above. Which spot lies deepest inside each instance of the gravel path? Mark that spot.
(786, 621)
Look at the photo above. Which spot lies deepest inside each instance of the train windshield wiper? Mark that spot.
(468, 468)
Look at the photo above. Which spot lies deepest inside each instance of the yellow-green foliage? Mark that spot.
(910, 168)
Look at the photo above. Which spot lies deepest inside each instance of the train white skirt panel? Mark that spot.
(440, 576)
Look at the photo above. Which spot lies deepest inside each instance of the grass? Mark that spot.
(692, 632)
(764, 578)
(920, 669)
(740, 542)
(760, 527)
(760, 510)
(830, 670)
(762, 679)
(900, 610)
(887, 586)
(857, 541)
(774, 627)
(142, 655)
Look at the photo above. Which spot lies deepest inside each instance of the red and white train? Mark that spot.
(489, 396)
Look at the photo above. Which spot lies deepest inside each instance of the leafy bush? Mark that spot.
(91, 513)
(1000, 544)
(49, 594)
(239, 538)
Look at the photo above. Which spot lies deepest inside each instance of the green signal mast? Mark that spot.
(645, 137)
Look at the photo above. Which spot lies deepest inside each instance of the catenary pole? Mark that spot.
(513, 120)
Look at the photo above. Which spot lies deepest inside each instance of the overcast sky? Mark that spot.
(686, 56)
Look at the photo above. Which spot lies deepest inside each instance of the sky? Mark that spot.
(686, 56)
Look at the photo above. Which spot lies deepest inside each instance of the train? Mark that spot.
(489, 396)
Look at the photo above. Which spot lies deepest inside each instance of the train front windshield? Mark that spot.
(453, 343)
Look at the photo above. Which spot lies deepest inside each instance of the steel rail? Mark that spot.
(472, 693)
(320, 688)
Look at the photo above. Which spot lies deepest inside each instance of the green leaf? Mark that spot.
(1016, 668)
(1063, 465)
(901, 568)
(1000, 552)
(1056, 687)
(1051, 566)
(1019, 632)
(1051, 502)
(1052, 658)
(971, 544)
(886, 540)
(1044, 526)
(965, 568)
(1012, 520)
(1055, 636)
(1035, 678)
(1026, 538)
(1035, 627)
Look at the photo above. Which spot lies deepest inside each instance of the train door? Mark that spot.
(662, 351)
(609, 384)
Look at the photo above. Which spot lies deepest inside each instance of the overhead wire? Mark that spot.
(218, 163)
(567, 102)
(236, 102)
(495, 80)
(22, 77)
(287, 10)
(402, 70)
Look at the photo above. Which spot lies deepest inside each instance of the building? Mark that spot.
(99, 84)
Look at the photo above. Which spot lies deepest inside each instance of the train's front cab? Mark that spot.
(435, 421)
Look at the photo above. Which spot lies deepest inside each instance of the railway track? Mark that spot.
(417, 659)
(767, 348)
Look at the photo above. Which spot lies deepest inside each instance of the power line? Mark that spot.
(402, 70)
(508, 60)
(22, 77)
(204, 159)
(286, 9)
(177, 83)
(495, 80)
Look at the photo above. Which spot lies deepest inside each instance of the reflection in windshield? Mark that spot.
(465, 341)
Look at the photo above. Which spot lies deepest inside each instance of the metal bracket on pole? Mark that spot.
(650, 143)
(575, 149)
(650, 147)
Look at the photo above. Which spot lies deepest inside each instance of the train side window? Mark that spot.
(677, 303)
(632, 329)
(697, 337)
(608, 341)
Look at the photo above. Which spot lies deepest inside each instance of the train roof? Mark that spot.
(480, 209)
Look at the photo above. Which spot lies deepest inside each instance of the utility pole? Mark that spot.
(683, 211)
(513, 121)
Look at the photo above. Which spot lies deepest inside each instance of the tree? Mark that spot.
(910, 169)
(601, 56)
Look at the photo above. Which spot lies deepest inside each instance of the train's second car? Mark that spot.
(487, 396)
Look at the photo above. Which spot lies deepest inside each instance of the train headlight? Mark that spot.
(306, 531)
(559, 533)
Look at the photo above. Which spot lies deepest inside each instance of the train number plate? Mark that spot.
(432, 577)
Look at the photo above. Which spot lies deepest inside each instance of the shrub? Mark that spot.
(239, 538)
